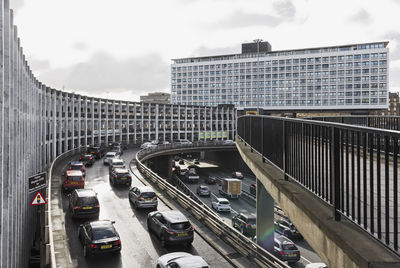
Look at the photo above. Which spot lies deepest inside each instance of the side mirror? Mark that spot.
(112, 222)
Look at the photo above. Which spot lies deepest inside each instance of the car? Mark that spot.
(286, 227)
(117, 149)
(181, 260)
(184, 142)
(221, 204)
(109, 156)
(143, 197)
(196, 161)
(145, 145)
(246, 224)
(87, 159)
(203, 190)
(211, 180)
(285, 249)
(115, 163)
(73, 179)
(316, 265)
(253, 188)
(228, 142)
(166, 142)
(237, 175)
(120, 176)
(97, 151)
(99, 237)
(77, 165)
(171, 227)
(83, 203)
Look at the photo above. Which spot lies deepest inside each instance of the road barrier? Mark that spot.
(203, 213)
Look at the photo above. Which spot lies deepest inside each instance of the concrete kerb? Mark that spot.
(59, 251)
(340, 244)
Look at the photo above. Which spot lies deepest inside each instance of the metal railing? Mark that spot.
(344, 165)
(375, 121)
(208, 217)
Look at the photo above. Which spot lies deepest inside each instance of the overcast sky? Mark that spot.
(122, 49)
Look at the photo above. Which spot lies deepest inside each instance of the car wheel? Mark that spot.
(148, 226)
(189, 244)
(85, 253)
(155, 208)
(163, 242)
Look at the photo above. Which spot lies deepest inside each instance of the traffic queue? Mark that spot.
(99, 236)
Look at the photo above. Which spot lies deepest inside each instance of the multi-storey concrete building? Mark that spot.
(344, 77)
(157, 97)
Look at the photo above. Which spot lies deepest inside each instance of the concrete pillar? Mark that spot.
(134, 123)
(141, 121)
(265, 218)
(156, 121)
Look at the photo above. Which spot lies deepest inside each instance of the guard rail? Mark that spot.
(208, 217)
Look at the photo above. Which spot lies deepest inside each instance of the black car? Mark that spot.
(287, 228)
(171, 227)
(117, 149)
(98, 237)
(120, 176)
(97, 151)
(211, 180)
(87, 159)
(83, 203)
(246, 224)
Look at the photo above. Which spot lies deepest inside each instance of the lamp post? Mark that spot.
(258, 41)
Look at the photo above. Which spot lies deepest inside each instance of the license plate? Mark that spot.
(74, 183)
(148, 199)
(253, 226)
(106, 246)
(92, 152)
(87, 207)
(182, 234)
(123, 178)
(292, 255)
(297, 232)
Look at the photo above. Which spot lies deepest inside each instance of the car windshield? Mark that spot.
(90, 200)
(74, 178)
(148, 195)
(102, 233)
(123, 173)
(110, 155)
(224, 203)
(289, 247)
(180, 225)
(205, 188)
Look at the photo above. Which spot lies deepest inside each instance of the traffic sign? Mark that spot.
(37, 182)
(38, 199)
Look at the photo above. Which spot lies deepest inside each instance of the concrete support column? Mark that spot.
(149, 122)
(134, 123)
(72, 103)
(127, 123)
(265, 218)
(141, 121)
(156, 121)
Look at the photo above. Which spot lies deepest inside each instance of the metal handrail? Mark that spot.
(213, 221)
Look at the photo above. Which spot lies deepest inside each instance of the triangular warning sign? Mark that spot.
(38, 199)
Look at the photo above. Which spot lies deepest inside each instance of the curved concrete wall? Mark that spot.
(38, 123)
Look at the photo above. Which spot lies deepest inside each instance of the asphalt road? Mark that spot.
(242, 206)
(139, 248)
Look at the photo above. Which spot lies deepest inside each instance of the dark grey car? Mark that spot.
(171, 227)
(203, 190)
(285, 249)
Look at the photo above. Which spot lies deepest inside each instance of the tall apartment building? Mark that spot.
(347, 77)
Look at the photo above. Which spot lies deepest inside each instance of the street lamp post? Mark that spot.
(258, 41)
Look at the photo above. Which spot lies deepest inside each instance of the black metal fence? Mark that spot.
(352, 168)
(375, 121)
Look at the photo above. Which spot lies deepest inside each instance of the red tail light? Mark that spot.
(80, 158)
(70, 168)
(140, 198)
(94, 246)
(117, 242)
(298, 253)
(246, 224)
(97, 206)
(191, 229)
(170, 231)
(282, 253)
(115, 177)
(83, 169)
(77, 207)
(155, 198)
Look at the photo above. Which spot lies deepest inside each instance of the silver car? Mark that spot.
(181, 260)
(143, 197)
(109, 156)
(203, 190)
